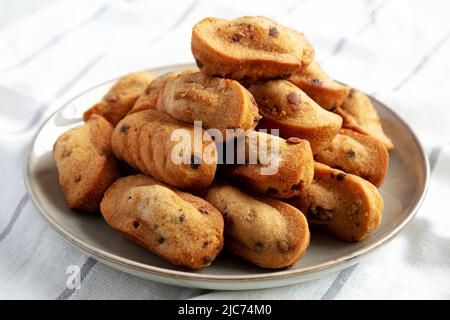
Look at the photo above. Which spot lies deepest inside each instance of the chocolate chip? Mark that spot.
(136, 224)
(293, 140)
(236, 37)
(124, 128)
(67, 153)
(351, 153)
(161, 240)
(112, 98)
(319, 214)
(251, 216)
(182, 217)
(199, 63)
(273, 32)
(77, 178)
(317, 82)
(203, 209)
(274, 110)
(206, 261)
(195, 162)
(297, 186)
(293, 98)
(351, 93)
(258, 246)
(340, 176)
(149, 89)
(206, 243)
(283, 246)
(334, 106)
(271, 190)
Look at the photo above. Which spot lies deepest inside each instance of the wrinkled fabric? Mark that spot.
(395, 50)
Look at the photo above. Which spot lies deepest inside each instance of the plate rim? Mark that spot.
(91, 250)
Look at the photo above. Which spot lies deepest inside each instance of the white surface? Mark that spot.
(13, 10)
(396, 49)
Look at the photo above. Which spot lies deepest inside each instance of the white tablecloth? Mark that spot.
(398, 50)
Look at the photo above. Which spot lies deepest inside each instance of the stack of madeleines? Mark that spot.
(253, 73)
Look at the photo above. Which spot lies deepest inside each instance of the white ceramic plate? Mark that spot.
(403, 192)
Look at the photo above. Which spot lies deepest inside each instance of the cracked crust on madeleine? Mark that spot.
(249, 48)
(219, 103)
(149, 96)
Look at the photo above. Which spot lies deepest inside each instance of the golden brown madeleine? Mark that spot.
(165, 149)
(121, 97)
(119, 144)
(131, 150)
(249, 48)
(285, 107)
(344, 205)
(358, 154)
(85, 163)
(219, 103)
(267, 232)
(283, 170)
(149, 97)
(179, 227)
(328, 93)
(360, 115)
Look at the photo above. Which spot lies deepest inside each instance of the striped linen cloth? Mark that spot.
(396, 50)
